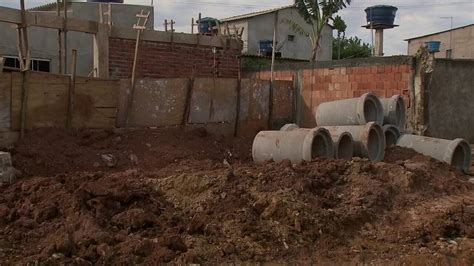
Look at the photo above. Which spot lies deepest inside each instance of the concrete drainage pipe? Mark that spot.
(343, 142)
(355, 111)
(454, 152)
(369, 140)
(392, 133)
(293, 145)
(394, 111)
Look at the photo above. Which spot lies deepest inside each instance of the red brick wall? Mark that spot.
(320, 85)
(165, 60)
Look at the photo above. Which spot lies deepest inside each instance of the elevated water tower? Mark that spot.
(379, 18)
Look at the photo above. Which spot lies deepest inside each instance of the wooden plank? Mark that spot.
(72, 90)
(96, 103)
(46, 105)
(12, 15)
(5, 100)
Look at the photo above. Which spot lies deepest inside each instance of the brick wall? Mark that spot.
(340, 80)
(166, 60)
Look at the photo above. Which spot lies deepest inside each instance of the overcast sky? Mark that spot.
(415, 17)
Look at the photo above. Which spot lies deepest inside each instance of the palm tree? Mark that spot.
(317, 13)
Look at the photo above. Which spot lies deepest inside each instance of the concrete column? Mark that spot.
(369, 140)
(293, 145)
(355, 111)
(378, 42)
(392, 134)
(454, 152)
(342, 142)
(394, 111)
(101, 51)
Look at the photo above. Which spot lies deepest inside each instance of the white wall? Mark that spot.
(261, 28)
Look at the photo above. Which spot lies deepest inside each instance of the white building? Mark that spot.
(258, 26)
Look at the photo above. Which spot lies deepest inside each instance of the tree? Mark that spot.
(340, 25)
(350, 48)
(316, 13)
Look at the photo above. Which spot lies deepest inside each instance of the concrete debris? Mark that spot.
(8, 173)
(133, 159)
(109, 160)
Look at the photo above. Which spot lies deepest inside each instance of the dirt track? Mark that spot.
(193, 197)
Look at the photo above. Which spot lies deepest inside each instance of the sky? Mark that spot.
(415, 17)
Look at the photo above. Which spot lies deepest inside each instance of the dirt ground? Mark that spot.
(153, 196)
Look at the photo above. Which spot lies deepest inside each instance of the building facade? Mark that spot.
(43, 42)
(457, 43)
(258, 26)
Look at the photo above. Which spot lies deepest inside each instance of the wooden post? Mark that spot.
(237, 111)
(189, 93)
(172, 25)
(65, 36)
(199, 23)
(139, 29)
(192, 25)
(166, 25)
(2, 62)
(60, 45)
(23, 51)
(72, 90)
(272, 70)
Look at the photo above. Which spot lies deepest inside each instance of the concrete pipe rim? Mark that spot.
(289, 127)
(369, 109)
(458, 154)
(397, 111)
(317, 143)
(375, 142)
(344, 147)
(392, 134)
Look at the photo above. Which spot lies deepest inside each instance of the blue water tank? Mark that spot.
(105, 1)
(266, 46)
(433, 46)
(381, 15)
(206, 24)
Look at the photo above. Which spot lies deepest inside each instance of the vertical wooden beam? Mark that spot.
(72, 90)
(60, 45)
(101, 51)
(2, 62)
(23, 51)
(192, 25)
(65, 36)
(237, 109)
(166, 25)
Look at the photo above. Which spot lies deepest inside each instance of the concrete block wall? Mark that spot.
(171, 60)
(328, 81)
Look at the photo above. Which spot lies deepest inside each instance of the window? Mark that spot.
(449, 53)
(42, 65)
(291, 38)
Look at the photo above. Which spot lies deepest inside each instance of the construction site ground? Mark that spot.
(168, 195)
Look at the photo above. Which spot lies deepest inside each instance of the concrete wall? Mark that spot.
(326, 81)
(462, 43)
(450, 100)
(44, 42)
(261, 28)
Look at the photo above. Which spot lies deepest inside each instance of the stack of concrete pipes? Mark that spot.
(361, 127)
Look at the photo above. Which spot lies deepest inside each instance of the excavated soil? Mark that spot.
(192, 197)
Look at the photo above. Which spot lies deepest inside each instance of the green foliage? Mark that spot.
(340, 25)
(350, 48)
(317, 14)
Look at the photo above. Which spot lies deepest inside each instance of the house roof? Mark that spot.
(422, 36)
(254, 14)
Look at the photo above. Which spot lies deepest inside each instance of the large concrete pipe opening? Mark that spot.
(322, 145)
(392, 133)
(295, 145)
(344, 146)
(355, 111)
(456, 152)
(394, 111)
(369, 140)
